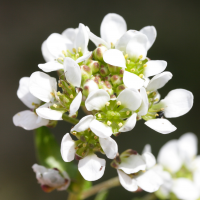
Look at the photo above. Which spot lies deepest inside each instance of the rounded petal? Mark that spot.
(24, 94)
(82, 38)
(129, 124)
(50, 66)
(70, 33)
(72, 72)
(196, 178)
(151, 34)
(188, 146)
(56, 43)
(91, 167)
(149, 159)
(114, 57)
(132, 164)
(75, 105)
(46, 112)
(109, 146)
(143, 109)
(154, 67)
(132, 80)
(127, 182)
(97, 99)
(84, 57)
(137, 47)
(177, 103)
(169, 156)
(161, 125)
(112, 27)
(100, 129)
(130, 98)
(149, 181)
(42, 85)
(185, 189)
(147, 148)
(29, 120)
(45, 52)
(67, 148)
(83, 124)
(159, 81)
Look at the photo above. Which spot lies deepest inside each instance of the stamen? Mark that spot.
(95, 137)
(109, 123)
(89, 129)
(55, 106)
(113, 114)
(120, 124)
(52, 94)
(141, 56)
(127, 112)
(74, 50)
(64, 53)
(132, 70)
(99, 115)
(119, 103)
(140, 62)
(145, 65)
(107, 103)
(84, 144)
(148, 92)
(162, 109)
(77, 55)
(74, 132)
(79, 49)
(126, 56)
(156, 99)
(71, 96)
(156, 115)
(128, 61)
(58, 93)
(141, 75)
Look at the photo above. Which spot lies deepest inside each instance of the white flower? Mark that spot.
(51, 179)
(28, 119)
(72, 43)
(136, 171)
(177, 103)
(90, 166)
(111, 112)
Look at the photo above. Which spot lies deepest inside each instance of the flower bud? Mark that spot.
(104, 70)
(89, 86)
(116, 80)
(120, 88)
(108, 78)
(105, 85)
(114, 69)
(98, 53)
(95, 66)
(86, 72)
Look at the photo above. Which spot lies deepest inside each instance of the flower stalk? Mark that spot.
(69, 119)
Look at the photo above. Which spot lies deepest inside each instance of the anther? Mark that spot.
(145, 65)
(107, 103)
(79, 49)
(99, 115)
(52, 94)
(89, 129)
(141, 56)
(71, 96)
(156, 99)
(141, 75)
(140, 62)
(113, 114)
(156, 115)
(74, 50)
(132, 70)
(120, 124)
(84, 144)
(55, 106)
(64, 53)
(128, 61)
(74, 132)
(127, 112)
(154, 93)
(162, 109)
(95, 137)
(77, 55)
(119, 103)
(109, 123)
(126, 56)
(148, 92)
(58, 93)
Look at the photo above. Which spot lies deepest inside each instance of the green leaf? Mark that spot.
(102, 195)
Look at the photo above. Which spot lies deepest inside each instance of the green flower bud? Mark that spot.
(98, 53)
(104, 70)
(108, 78)
(120, 88)
(95, 66)
(116, 80)
(89, 86)
(86, 73)
(105, 85)
(114, 69)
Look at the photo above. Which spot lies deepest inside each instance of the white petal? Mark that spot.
(147, 148)
(96, 100)
(82, 38)
(196, 164)
(130, 98)
(123, 41)
(129, 124)
(84, 57)
(154, 67)
(72, 72)
(127, 182)
(75, 105)
(83, 124)
(137, 46)
(97, 40)
(67, 148)
(169, 156)
(56, 43)
(132, 80)
(161, 125)
(91, 167)
(114, 57)
(100, 129)
(185, 189)
(42, 85)
(46, 112)
(112, 27)
(50, 66)
(45, 52)
(132, 164)
(29, 120)
(146, 81)
(70, 33)
(149, 159)
(151, 34)
(196, 178)
(24, 95)
(109, 146)
(159, 81)
(177, 103)
(145, 103)
(149, 181)
(188, 147)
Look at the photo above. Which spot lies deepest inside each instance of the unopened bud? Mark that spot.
(89, 86)
(105, 85)
(120, 88)
(116, 80)
(98, 53)
(95, 66)
(114, 69)
(86, 72)
(104, 70)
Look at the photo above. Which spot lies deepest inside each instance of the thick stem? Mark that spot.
(86, 111)
(113, 182)
(72, 196)
(69, 119)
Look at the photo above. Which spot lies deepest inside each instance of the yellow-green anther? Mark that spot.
(74, 50)
(107, 103)
(119, 103)
(109, 123)
(127, 112)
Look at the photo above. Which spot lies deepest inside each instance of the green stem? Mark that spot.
(113, 182)
(72, 196)
(69, 119)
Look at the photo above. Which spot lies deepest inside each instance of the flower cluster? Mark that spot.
(112, 84)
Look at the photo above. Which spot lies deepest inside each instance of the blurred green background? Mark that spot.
(24, 25)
